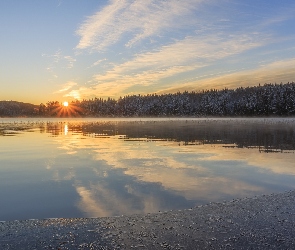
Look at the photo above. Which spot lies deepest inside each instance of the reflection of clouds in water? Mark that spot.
(194, 184)
(63, 174)
(61, 167)
(56, 176)
(112, 176)
(169, 174)
(49, 163)
(100, 200)
(70, 175)
(89, 203)
(122, 194)
(68, 143)
(152, 162)
(279, 163)
(182, 173)
(68, 149)
(196, 173)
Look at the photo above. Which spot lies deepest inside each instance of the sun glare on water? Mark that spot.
(65, 104)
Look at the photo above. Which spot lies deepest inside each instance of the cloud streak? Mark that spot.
(137, 20)
(58, 62)
(67, 86)
(157, 46)
(170, 61)
(275, 72)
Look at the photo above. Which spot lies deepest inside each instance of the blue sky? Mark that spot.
(73, 49)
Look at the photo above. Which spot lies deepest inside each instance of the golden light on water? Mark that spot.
(66, 129)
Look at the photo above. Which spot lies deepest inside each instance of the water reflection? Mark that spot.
(66, 129)
(267, 135)
(113, 167)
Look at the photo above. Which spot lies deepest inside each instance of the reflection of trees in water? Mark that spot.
(263, 135)
(266, 135)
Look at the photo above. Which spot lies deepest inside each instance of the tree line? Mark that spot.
(261, 100)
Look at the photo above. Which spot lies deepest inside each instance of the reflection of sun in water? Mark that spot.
(65, 104)
(66, 129)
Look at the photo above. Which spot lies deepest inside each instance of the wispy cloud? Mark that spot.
(67, 86)
(187, 36)
(76, 94)
(98, 62)
(280, 71)
(169, 61)
(59, 58)
(137, 20)
(56, 56)
(70, 61)
(275, 72)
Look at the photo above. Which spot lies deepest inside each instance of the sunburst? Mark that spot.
(66, 109)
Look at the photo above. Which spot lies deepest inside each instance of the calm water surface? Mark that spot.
(104, 167)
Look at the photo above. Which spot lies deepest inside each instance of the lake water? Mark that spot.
(53, 168)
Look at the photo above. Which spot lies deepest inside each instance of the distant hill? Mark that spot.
(14, 108)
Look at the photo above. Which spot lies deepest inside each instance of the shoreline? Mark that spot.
(263, 222)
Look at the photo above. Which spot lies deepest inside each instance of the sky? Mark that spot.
(62, 50)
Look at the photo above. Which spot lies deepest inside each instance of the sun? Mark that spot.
(66, 109)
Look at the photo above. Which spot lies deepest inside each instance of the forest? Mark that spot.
(261, 100)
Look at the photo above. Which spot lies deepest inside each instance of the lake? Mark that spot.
(87, 167)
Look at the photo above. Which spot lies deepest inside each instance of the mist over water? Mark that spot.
(105, 167)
